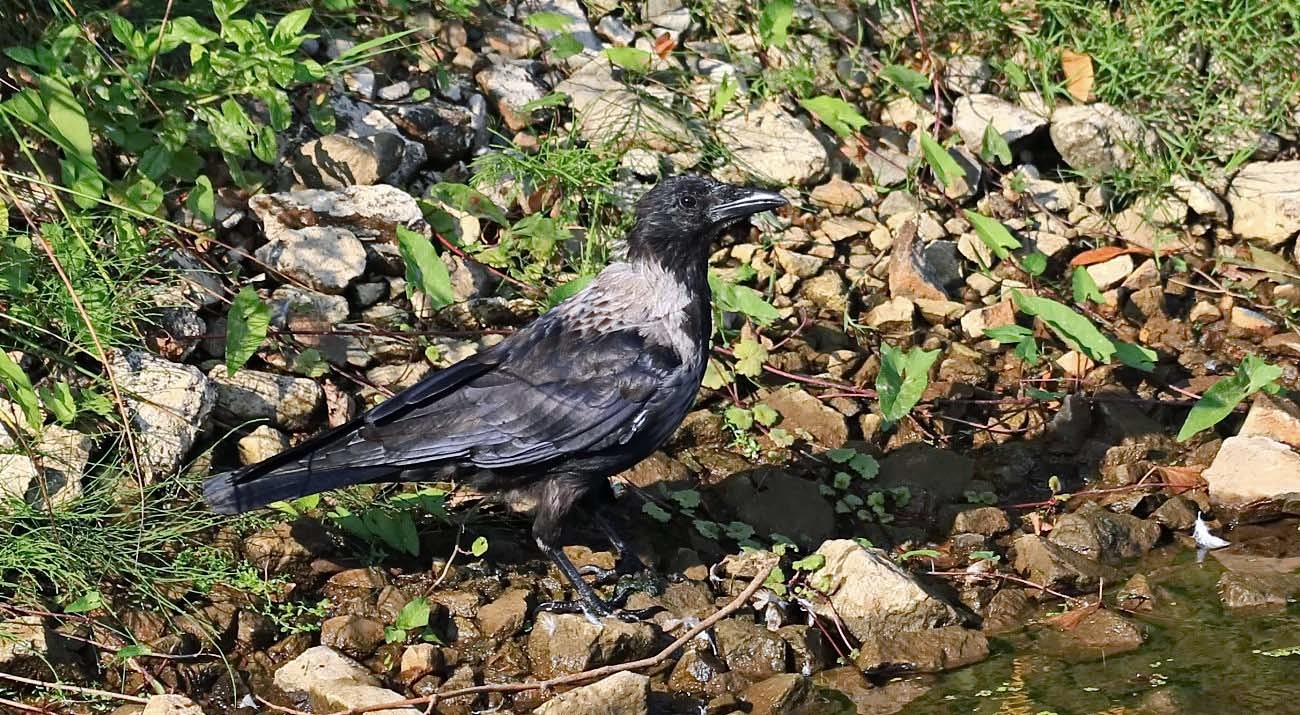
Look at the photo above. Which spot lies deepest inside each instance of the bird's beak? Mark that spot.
(738, 202)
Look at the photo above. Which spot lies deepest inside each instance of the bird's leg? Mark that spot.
(628, 563)
(588, 602)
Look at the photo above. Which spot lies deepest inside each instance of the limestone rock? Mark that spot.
(773, 146)
(289, 402)
(624, 693)
(973, 113)
(1251, 468)
(873, 595)
(330, 681)
(168, 404)
(1265, 200)
(1096, 139)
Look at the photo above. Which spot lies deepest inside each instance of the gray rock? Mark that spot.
(910, 275)
(771, 145)
(1102, 534)
(577, 25)
(395, 91)
(371, 213)
(262, 443)
(569, 643)
(504, 617)
(873, 596)
(785, 694)
(1265, 200)
(892, 316)
(326, 258)
(887, 165)
(362, 121)
(330, 681)
(1097, 139)
(1178, 513)
(799, 265)
(292, 306)
(1258, 590)
(967, 74)
(609, 112)
(352, 635)
(509, 86)
(929, 651)
(171, 705)
(1273, 417)
(801, 412)
(750, 650)
(898, 203)
(28, 648)
(168, 404)
(773, 501)
(1200, 199)
(1056, 567)
(985, 520)
(248, 395)
(624, 693)
(826, 291)
(1252, 468)
(1101, 633)
(469, 279)
(973, 113)
(361, 81)
(510, 39)
(336, 161)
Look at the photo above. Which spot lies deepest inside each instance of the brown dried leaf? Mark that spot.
(1100, 255)
(664, 45)
(1078, 74)
(1183, 478)
(1069, 620)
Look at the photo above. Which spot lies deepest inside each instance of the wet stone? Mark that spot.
(750, 650)
(1247, 590)
(505, 616)
(1056, 567)
(1101, 633)
(1102, 534)
(984, 520)
(624, 693)
(569, 643)
(873, 596)
(929, 651)
(1176, 514)
(353, 635)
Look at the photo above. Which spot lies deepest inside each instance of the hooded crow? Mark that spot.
(587, 390)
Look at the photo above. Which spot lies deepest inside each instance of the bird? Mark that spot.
(583, 392)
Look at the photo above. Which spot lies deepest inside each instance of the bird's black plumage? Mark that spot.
(587, 390)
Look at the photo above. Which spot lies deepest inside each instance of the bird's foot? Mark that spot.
(597, 611)
(643, 581)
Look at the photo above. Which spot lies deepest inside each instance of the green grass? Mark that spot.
(1205, 76)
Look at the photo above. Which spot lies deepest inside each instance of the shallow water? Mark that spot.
(1198, 658)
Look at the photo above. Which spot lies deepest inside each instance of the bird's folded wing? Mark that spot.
(546, 399)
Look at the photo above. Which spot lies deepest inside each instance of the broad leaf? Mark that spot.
(742, 299)
(774, 23)
(1073, 328)
(994, 146)
(945, 168)
(992, 233)
(246, 326)
(843, 118)
(629, 58)
(1085, 288)
(425, 271)
(902, 380)
(905, 78)
(19, 387)
(750, 355)
(1252, 375)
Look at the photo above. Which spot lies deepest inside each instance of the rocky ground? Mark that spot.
(1019, 482)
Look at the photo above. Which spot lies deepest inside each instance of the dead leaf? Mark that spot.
(1069, 620)
(664, 45)
(1183, 478)
(1100, 255)
(1078, 74)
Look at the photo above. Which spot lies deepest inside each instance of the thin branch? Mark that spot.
(1002, 577)
(75, 689)
(736, 604)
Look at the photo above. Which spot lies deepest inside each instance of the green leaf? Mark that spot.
(1034, 263)
(246, 325)
(134, 650)
(554, 99)
(1251, 376)
(742, 299)
(465, 198)
(566, 290)
(656, 512)
(780, 437)
(67, 118)
(1085, 288)
(629, 58)
(19, 387)
(994, 146)
(750, 356)
(902, 380)
(992, 233)
(765, 415)
(739, 418)
(58, 400)
(811, 562)
(289, 28)
(842, 118)
(738, 530)
(90, 601)
(906, 79)
(548, 21)
(722, 96)
(840, 455)
(920, 553)
(686, 498)
(946, 169)
(774, 23)
(1135, 356)
(708, 529)
(1008, 333)
(865, 465)
(202, 201)
(394, 635)
(842, 480)
(716, 376)
(479, 547)
(425, 271)
(414, 615)
(1073, 328)
(565, 45)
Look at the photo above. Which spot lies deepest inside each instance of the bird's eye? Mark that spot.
(687, 202)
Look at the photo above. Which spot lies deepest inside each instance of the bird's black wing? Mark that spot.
(557, 392)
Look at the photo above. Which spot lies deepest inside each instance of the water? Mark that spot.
(1198, 658)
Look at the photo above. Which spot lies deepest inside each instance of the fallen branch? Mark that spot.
(75, 689)
(993, 575)
(736, 604)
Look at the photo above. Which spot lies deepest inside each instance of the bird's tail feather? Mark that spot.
(226, 493)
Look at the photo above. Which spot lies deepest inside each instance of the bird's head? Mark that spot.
(679, 217)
